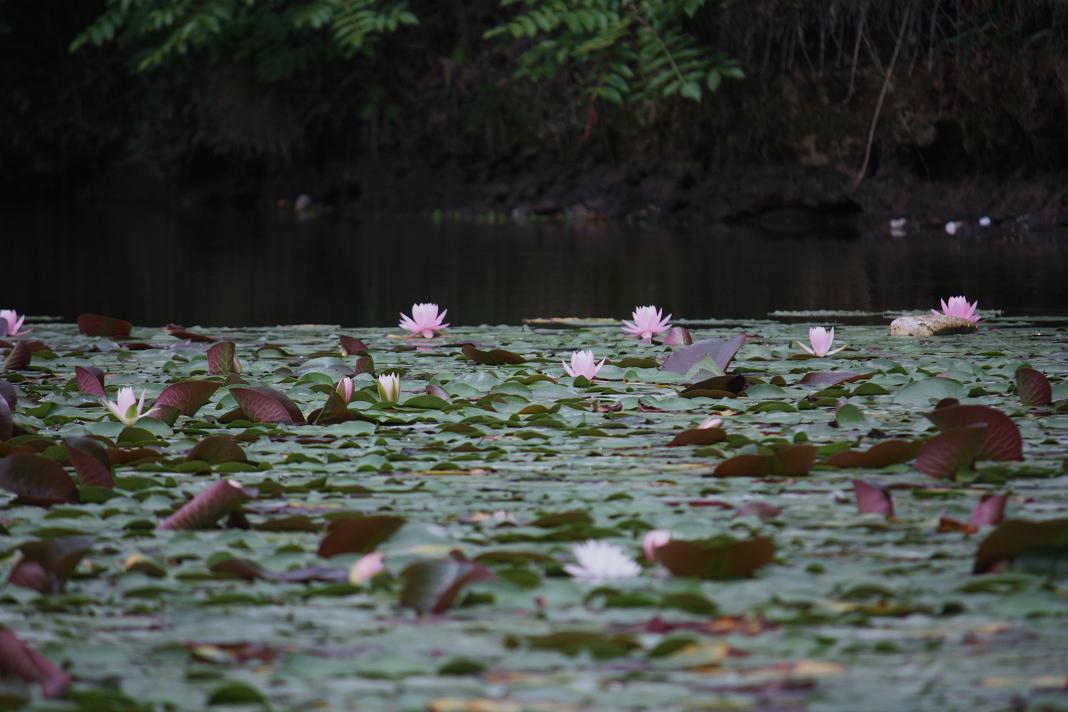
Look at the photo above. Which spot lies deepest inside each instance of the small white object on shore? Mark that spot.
(897, 227)
(952, 226)
(984, 221)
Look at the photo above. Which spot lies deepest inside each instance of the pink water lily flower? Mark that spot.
(821, 340)
(10, 323)
(425, 320)
(959, 307)
(344, 390)
(126, 406)
(647, 323)
(653, 540)
(583, 364)
(366, 568)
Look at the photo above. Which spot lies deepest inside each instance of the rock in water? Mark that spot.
(930, 325)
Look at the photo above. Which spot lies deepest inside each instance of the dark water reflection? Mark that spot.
(158, 267)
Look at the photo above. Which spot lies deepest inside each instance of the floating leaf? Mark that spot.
(884, 454)
(358, 535)
(788, 461)
(351, 346)
(677, 336)
(187, 396)
(7, 423)
(180, 332)
(720, 351)
(36, 480)
(217, 449)
(266, 405)
(1033, 387)
(431, 586)
(698, 436)
(873, 499)
(208, 507)
(989, 511)
(90, 381)
(17, 659)
(945, 454)
(720, 559)
(731, 385)
(19, 357)
(9, 394)
(100, 325)
(46, 565)
(1003, 441)
(90, 460)
(1020, 538)
(493, 357)
(600, 646)
(222, 359)
(823, 379)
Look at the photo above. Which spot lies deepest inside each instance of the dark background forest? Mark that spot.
(688, 109)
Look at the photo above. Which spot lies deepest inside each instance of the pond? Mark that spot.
(156, 267)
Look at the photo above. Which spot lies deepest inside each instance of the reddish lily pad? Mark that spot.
(1020, 538)
(1003, 441)
(989, 511)
(677, 336)
(46, 565)
(208, 507)
(37, 480)
(493, 357)
(431, 586)
(19, 357)
(1033, 387)
(945, 454)
(789, 461)
(351, 346)
(180, 332)
(823, 379)
(17, 659)
(187, 396)
(8, 394)
(90, 381)
(266, 405)
(217, 449)
(358, 535)
(720, 559)
(726, 385)
(884, 454)
(100, 325)
(721, 351)
(222, 358)
(873, 498)
(90, 460)
(698, 436)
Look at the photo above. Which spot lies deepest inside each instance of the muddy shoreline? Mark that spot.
(785, 198)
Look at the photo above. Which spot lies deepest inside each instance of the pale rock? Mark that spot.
(930, 325)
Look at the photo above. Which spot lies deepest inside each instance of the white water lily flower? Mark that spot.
(599, 561)
(389, 388)
(126, 406)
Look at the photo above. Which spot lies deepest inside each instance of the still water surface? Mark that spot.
(199, 269)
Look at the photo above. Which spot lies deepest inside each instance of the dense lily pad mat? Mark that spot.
(247, 600)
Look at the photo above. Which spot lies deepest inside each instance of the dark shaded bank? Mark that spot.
(850, 111)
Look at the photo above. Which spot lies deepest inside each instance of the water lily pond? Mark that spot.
(882, 528)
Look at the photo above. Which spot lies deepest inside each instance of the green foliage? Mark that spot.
(623, 51)
(281, 38)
